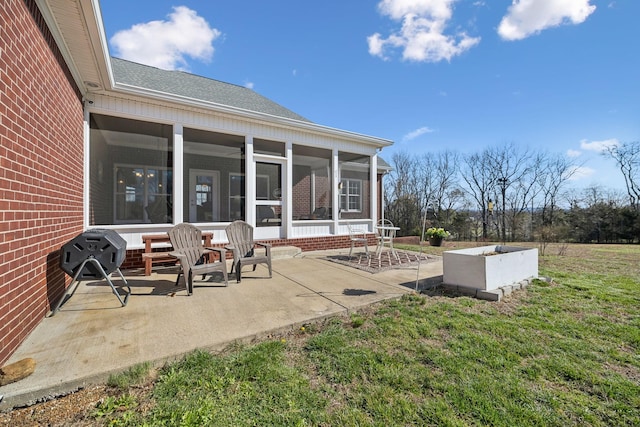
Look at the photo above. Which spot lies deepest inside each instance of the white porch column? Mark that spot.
(287, 194)
(249, 181)
(178, 173)
(86, 171)
(335, 202)
(374, 190)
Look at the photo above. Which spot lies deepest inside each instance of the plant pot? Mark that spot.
(435, 241)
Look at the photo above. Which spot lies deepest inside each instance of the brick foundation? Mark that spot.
(134, 257)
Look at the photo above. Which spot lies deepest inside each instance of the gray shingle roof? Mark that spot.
(196, 87)
(382, 164)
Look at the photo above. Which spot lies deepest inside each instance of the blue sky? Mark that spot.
(557, 75)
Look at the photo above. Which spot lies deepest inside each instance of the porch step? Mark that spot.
(279, 252)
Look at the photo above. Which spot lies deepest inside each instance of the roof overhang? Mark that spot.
(252, 115)
(76, 26)
(78, 29)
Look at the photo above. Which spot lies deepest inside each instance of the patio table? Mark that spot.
(386, 235)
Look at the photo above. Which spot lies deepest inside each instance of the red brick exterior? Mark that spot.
(41, 170)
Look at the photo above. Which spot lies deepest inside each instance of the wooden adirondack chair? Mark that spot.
(240, 236)
(186, 240)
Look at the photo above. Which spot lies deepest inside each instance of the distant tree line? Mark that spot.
(510, 193)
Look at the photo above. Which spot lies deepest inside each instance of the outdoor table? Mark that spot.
(150, 256)
(386, 235)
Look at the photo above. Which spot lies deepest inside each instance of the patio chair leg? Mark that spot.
(190, 284)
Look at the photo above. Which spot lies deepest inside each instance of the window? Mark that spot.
(131, 171)
(141, 195)
(355, 178)
(351, 195)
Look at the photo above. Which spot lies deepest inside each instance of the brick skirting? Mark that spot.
(134, 256)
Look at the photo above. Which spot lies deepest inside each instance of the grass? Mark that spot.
(559, 354)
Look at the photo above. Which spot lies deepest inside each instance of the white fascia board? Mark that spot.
(45, 11)
(97, 35)
(248, 114)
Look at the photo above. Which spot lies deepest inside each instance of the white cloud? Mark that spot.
(166, 44)
(574, 153)
(580, 172)
(599, 146)
(422, 35)
(248, 85)
(416, 133)
(528, 17)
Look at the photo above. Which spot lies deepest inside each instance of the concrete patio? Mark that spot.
(92, 336)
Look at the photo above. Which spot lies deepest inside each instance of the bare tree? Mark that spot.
(511, 164)
(444, 181)
(556, 171)
(408, 191)
(627, 157)
(479, 178)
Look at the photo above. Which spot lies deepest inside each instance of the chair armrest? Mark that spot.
(234, 250)
(266, 246)
(181, 257)
(222, 252)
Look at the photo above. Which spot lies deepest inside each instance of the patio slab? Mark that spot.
(92, 336)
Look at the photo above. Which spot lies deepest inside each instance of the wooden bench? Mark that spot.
(151, 257)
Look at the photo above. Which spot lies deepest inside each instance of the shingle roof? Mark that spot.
(382, 164)
(196, 87)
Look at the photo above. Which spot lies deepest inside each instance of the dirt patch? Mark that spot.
(407, 240)
(63, 411)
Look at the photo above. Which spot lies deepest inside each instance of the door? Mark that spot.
(269, 206)
(204, 196)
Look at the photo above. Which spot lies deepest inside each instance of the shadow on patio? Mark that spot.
(92, 336)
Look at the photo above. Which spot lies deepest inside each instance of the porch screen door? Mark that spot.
(269, 199)
(204, 196)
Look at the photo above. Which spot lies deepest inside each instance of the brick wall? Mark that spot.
(41, 168)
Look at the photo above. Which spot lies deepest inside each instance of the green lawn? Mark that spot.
(564, 353)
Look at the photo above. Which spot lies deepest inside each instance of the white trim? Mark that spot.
(86, 170)
(178, 173)
(287, 200)
(253, 115)
(249, 179)
(373, 195)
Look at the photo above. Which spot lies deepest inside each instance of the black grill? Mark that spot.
(105, 246)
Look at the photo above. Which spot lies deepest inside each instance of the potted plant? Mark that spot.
(436, 235)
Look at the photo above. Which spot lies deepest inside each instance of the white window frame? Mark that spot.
(346, 196)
